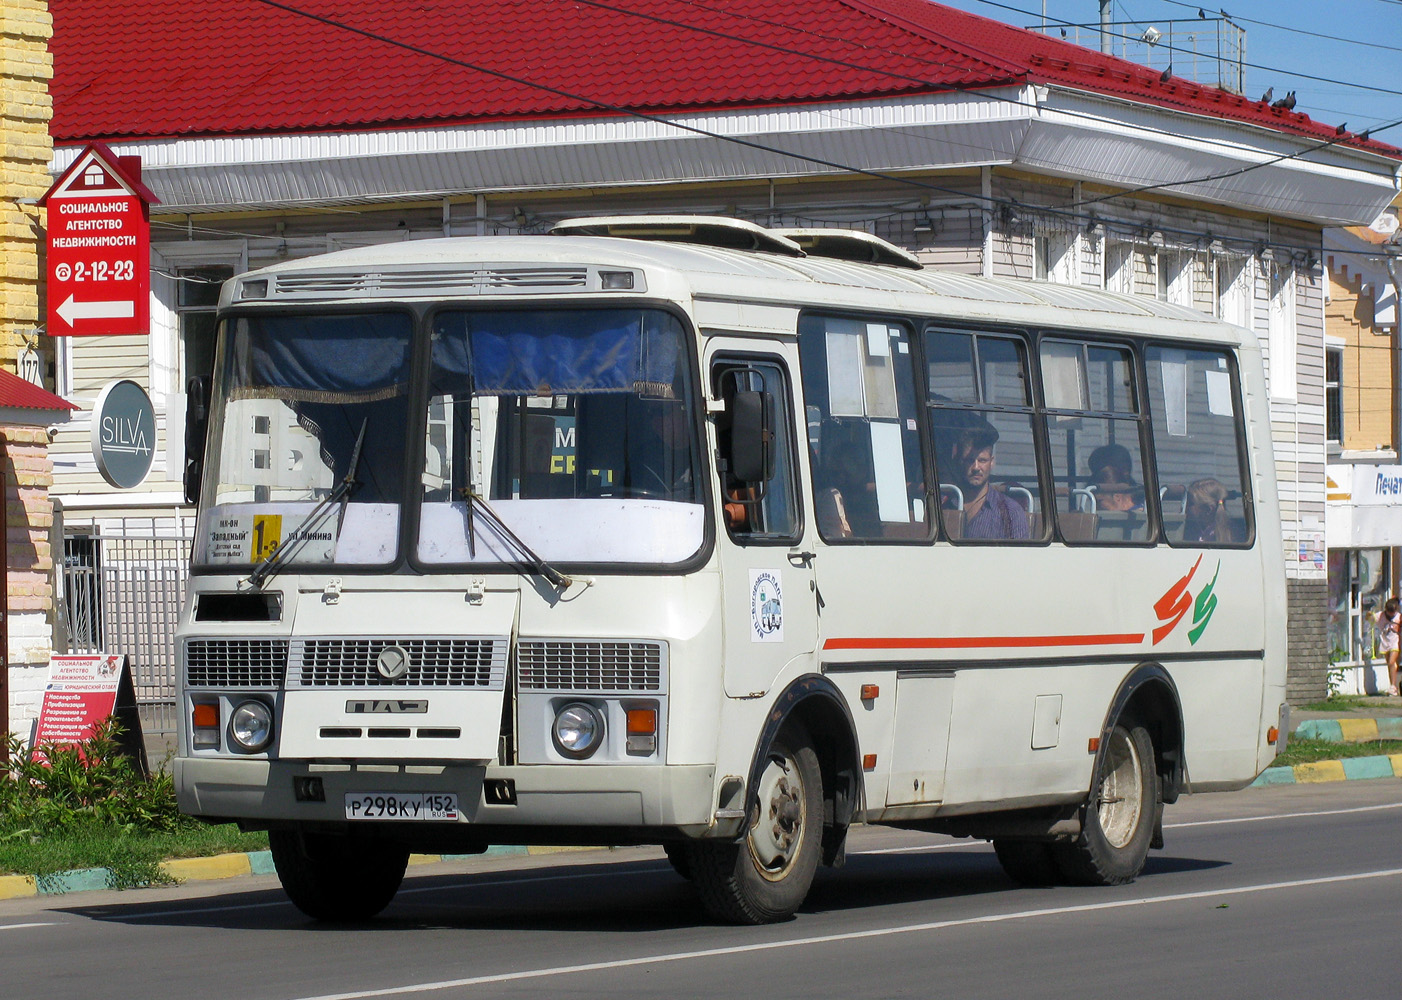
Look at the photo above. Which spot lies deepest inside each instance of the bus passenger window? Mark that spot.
(766, 511)
(863, 430)
(1093, 434)
(1197, 429)
(986, 457)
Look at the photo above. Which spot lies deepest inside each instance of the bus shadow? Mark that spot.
(626, 897)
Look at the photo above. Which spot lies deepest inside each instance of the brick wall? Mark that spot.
(1306, 624)
(25, 151)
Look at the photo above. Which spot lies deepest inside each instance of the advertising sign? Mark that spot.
(123, 434)
(99, 240)
(82, 691)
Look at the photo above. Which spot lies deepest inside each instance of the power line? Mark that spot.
(1233, 18)
(1171, 48)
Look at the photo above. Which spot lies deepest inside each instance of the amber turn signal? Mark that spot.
(1093, 744)
(870, 691)
(642, 721)
(869, 762)
(1272, 734)
(206, 716)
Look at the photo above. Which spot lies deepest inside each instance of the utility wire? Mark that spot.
(1233, 18)
(1172, 48)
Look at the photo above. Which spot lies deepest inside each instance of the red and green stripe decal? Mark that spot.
(1174, 606)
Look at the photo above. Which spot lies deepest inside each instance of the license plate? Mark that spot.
(401, 805)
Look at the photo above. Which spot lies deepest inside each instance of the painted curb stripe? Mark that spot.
(17, 886)
(219, 866)
(1358, 730)
(82, 880)
(1323, 770)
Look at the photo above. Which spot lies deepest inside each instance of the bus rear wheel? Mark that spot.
(1117, 822)
(335, 878)
(766, 876)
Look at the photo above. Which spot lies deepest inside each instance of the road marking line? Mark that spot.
(15, 927)
(1294, 815)
(997, 918)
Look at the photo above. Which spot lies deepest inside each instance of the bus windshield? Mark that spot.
(576, 427)
(302, 403)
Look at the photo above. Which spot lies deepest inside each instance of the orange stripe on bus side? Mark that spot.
(986, 642)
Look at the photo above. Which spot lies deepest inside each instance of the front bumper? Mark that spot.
(547, 796)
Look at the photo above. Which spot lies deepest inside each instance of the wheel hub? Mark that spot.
(1121, 794)
(777, 831)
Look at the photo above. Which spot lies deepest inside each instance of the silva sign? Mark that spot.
(123, 434)
(99, 247)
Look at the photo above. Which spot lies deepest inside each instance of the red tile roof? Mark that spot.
(16, 393)
(148, 68)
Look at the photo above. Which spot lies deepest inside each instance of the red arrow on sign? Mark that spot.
(72, 310)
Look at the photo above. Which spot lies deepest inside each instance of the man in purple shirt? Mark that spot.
(988, 513)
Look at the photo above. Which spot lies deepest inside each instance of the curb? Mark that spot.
(1389, 766)
(1340, 731)
(216, 867)
(1350, 730)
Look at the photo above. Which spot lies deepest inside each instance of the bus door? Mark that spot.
(770, 599)
(874, 517)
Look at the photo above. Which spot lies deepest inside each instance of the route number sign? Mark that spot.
(99, 240)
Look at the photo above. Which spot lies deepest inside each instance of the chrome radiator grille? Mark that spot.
(583, 665)
(235, 663)
(435, 662)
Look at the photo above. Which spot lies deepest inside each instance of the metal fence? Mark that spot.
(1209, 50)
(123, 587)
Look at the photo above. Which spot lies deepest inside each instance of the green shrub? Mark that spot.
(82, 784)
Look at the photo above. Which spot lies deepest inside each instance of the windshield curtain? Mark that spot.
(295, 398)
(576, 426)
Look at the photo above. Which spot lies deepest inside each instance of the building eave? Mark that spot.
(1051, 131)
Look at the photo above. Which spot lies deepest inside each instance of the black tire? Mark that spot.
(334, 878)
(1117, 821)
(1028, 862)
(766, 876)
(679, 857)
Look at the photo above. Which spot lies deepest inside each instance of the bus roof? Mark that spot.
(545, 267)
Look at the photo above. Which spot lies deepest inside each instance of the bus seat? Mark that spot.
(953, 523)
(1121, 526)
(912, 530)
(1034, 525)
(1076, 526)
(832, 514)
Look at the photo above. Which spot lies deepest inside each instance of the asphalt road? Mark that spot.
(1290, 891)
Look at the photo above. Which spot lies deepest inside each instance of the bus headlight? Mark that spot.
(251, 726)
(578, 730)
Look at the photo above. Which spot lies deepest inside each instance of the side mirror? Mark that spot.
(196, 427)
(752, 458)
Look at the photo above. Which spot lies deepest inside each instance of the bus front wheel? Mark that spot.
(337, 878)
(766, 876)
(1117, 822)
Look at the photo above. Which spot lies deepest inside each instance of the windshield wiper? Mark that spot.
(476, 502)
(340, 493)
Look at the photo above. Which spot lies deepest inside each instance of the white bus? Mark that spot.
(687, 532)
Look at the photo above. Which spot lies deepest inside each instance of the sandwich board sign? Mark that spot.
(81, 691)
(99, 247)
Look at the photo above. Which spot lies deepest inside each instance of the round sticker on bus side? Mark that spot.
(766, 606)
